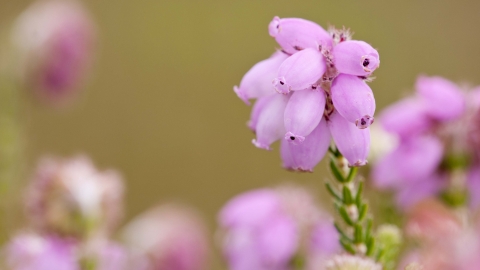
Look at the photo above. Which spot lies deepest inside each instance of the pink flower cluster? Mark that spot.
(310, 90)
(267, 229)
(436, 129)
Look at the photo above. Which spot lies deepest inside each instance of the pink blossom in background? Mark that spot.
(29, 251)
(269, 228)
(436, 153)
(32, 251)
(311, 90)
(71, 197)
(445, 239)
(55, 41)
(105, 254)
(167, 237)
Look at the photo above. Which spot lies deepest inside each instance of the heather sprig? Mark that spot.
(355, 228)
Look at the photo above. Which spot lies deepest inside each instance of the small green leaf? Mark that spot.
(368, 228)
(344, 214)
(358, 197)
(347, 246)
(363, 212)
(358, 233)
(341, 232)
(370, 246)
(347, 196)
(351, 174)
(336, 172)
(332, 192)
(380, 254)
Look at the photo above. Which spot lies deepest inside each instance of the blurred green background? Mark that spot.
(159, 106)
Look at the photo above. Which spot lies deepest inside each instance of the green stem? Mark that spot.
(355, 228)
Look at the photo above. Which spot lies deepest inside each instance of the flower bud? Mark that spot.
(300, 71)
(303, 113)
(270, 125)
(257, 82)
(352, 142)
(70, 197)
(55, 40)
(355, 57)
(353, 99)
(295, 34)
(305, 156)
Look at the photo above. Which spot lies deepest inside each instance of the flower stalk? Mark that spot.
(355, 228)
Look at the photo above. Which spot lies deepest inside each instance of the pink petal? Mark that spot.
(412, 161)
(405, 118)
(250, 208)
(270, 125)
(278, 241)
(325, 239)
(303, 113)
(305, 156)
(413, 193)
(352, 142)
(257, 82)
(257, 109)
(443, 99)
(355, 58)
(354, 100)
(295, 34)
(300, 71)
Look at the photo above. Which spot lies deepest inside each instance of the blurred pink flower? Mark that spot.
(435, 150)
(71, 197)
(168, 237)
(30, 251)
(268, 228)
(55, 40)
(321, 91)
(445, 239)
(104, 254)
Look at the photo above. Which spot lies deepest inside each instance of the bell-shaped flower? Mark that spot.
(257, 82)
(256, 110)
(295, 34)
(270, 125)
(354, 100)
(303, 113)
(443, 100)
(170, 237)
(406, 118)
(300, 71)
(305, 156)
(355, 58)
(412, 161)
(352, 142)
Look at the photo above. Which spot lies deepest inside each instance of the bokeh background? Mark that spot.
(159, 105)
